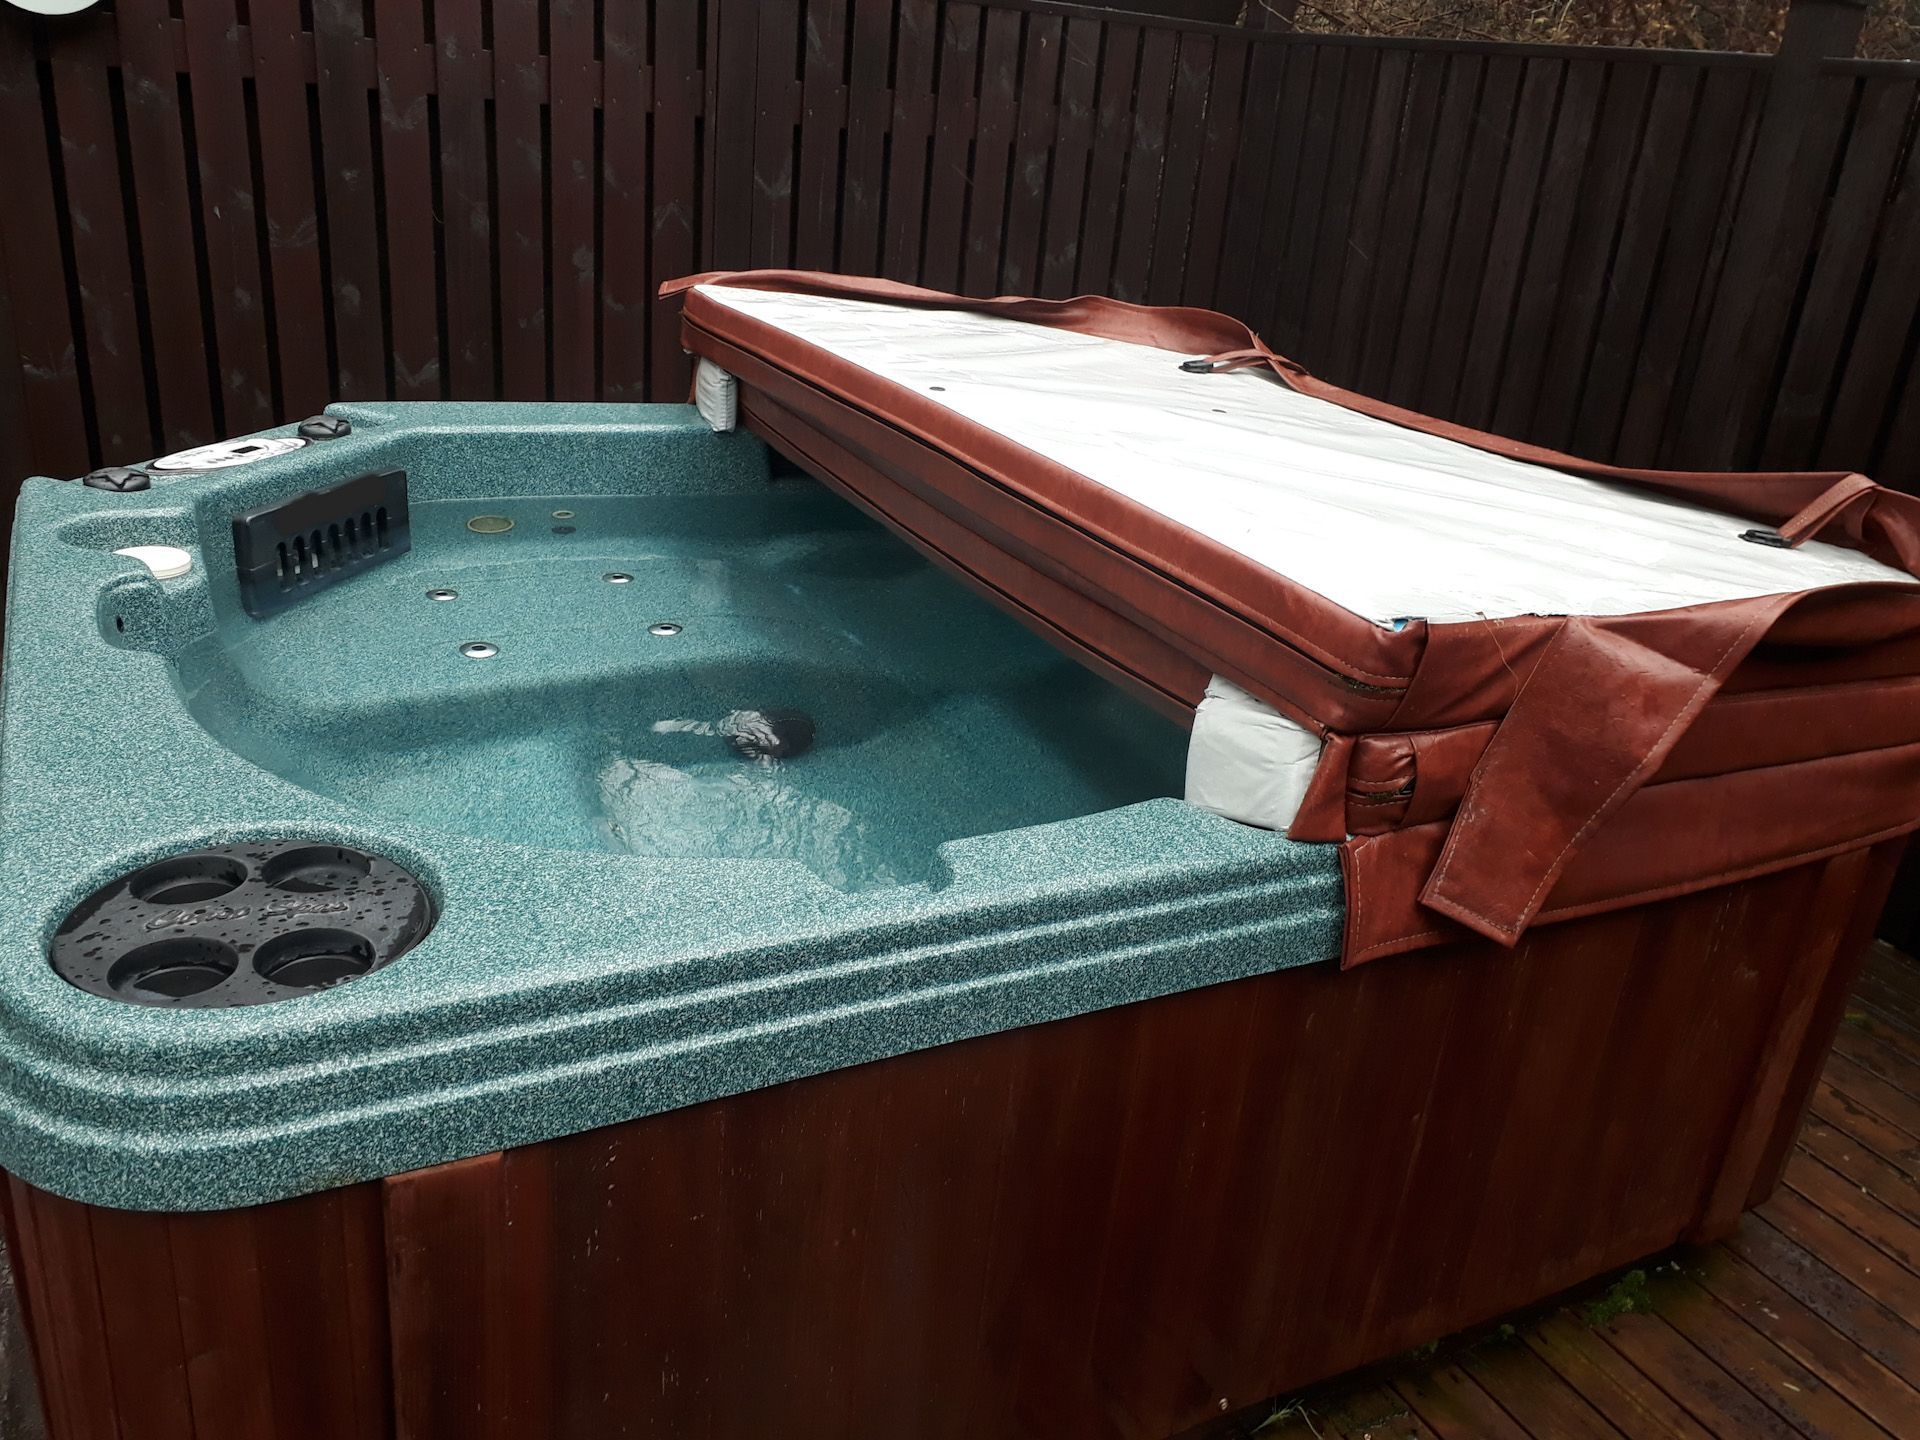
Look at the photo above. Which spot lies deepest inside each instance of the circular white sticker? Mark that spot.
(223, 454)
(54, 7)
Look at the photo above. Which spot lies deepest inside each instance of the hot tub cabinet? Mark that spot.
(536, 921)
(1115, 1224)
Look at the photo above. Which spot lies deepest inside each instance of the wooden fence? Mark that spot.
(223, 213)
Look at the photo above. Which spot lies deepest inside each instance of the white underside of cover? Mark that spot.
(1387, 522)
(1246, 760)
(716, 395)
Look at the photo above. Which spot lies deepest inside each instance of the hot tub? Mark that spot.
(595, 936)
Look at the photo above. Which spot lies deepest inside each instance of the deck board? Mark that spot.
(1802, 1325)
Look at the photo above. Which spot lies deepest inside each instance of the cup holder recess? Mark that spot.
(314, 959)
(187, 879)
(242, 925)
(315, 869)
(168, 971)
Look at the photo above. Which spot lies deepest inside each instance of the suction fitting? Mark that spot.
(323, 427)
(242, 925)
(769, 734)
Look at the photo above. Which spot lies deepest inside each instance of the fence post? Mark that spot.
(1778, 216)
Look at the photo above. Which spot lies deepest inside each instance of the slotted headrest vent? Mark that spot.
(296, 548)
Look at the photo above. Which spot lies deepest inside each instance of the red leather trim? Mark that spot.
(1668, 839)
(1737, 731)
(1322, 815)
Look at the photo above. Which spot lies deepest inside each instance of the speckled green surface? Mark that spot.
(584, 970)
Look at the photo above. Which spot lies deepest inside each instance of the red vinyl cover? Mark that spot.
(1479, 774)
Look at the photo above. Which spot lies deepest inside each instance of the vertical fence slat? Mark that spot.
(519, 179)
(863, 198)
(573, 81)
(1868, 391)
(462, 75)
(1506, 254)
(1467, 249)
(1582, 289)
(777, 114)
(1292, 277)
(352, 208)
(1643, 232)
(53, 438)
(406, 164)
(16, 453)
(1773, 230)
(1553, 231)
(97, 220)
(1241, 227)
(1806, 386)
(1333, 251)
(1406, 198)
(990, 169)
(1213, 187)
(1715, 162)
(1033, 144)
(1072, 156)
(1180, 171)
(299, 306)
(676, 185)
(1106, 169)
(1146, 164)
(169, 269)
(733, 42)
(1427, 264)
(626, 291)
(955, 113)
(1338, 354)
(909, 151)
(1282, 198)
(229, 219)
(822, 124)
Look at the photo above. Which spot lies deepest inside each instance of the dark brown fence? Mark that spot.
(223, 213)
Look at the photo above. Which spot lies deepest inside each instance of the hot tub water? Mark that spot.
(617, 716)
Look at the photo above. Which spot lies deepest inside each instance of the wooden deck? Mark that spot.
(1805, 1323)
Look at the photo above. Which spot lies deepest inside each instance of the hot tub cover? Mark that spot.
(1540, 686)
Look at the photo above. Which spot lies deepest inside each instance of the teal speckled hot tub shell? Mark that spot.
(564, 986)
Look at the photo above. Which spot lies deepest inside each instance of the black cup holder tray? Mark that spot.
(242, 925)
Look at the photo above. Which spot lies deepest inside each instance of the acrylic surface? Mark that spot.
(712, 782)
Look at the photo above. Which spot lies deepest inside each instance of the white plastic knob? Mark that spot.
(167, 562)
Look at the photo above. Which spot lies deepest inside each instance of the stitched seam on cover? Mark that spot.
(1399, 940)
(1547, 876)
